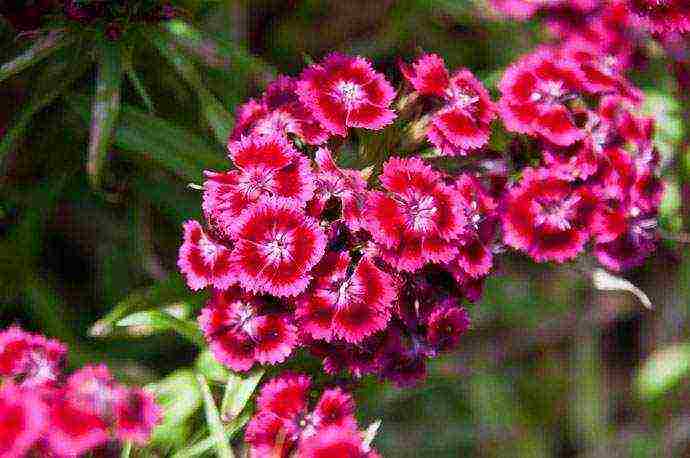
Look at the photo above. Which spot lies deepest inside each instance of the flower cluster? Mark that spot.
(371, 273)
(284, 423)
(46, 411)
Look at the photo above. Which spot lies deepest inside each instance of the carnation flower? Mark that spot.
(204, 261)
(281, 111)
(416, 221)
(344, 185)
(267, 166)
(445, 326)
(547, 217)
(23, 420)
(535, 93)
(30, 359)
(462, 122)
(661, 15)
(136, 414)
(334, 442)
(242, 330)
(344, 92)
(276, 247)
(343, 302)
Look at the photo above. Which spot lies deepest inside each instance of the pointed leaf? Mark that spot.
(217, 117)
(204, 445)
(105, 110)
(215, 424)
(604, 281)
(207, 365)
(238, 391)
(150, 321)
(41, 48)
(179, 396)
(370, 433)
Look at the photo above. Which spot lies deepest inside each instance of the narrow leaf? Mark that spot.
(105, 110)
(217, 117)
(204, 445)
(370, 433)
(126, 449)
(215, 424)
(604, 281)
(150, 321)
(41, 49)
(179, 396)
(238, 391)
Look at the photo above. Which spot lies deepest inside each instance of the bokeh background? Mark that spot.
(552, 367)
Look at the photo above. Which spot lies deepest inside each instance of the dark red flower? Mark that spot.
(535, 93)
(242, 330)
(345, 185)
(547, 217)
(279, 110)
(662, 15)
(276, 247)
(203, 261)
(416, 221)
(343, 92)
(428, 75)
(445, 326)
(267, 166)
(23, 420)
(335, 408)
(345, 302)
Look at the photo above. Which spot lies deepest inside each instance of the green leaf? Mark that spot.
(209, 367)
(214, 422)
(663, 370)
(41, 48)
(179, 396)
(151, 321)
(217, 117)
(204, 445)
(154, 139)
(126, 449)
(238, 391)
(56, 78)
(133, 78)
(164, 293)
(105, 110)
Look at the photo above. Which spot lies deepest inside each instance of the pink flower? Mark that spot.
(279, 110)
(203, 261)
(344, 185)
(333, 442)
(23, 420)
(445, 326)
(335, 408)
(462, 123)
(32, 360)
(535, 91)
(79, 412)
(662, 15)
(136, 414)
(344, 92)
(349, 306)
(267, 166)
(547, 217)
(242, 330)
(416, 221)
(276, 247)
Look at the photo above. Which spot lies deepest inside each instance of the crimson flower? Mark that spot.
(416, 221)
(276, 247)
(344, 92)
(204, 261)
(279, 110)
(23, 420)
(344, 301)
(30, 359)
(242, 330)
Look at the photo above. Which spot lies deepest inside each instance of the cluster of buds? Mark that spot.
(370, 270)
(112, 15)
(46, 412)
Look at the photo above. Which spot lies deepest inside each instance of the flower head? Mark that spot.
(344, 92)
(24, 418)
(204, 261)
(30, 359)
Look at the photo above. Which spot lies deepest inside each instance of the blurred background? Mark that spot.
(552, 367)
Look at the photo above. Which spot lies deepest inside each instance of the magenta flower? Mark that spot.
(32, 360)
(204, 261)
(547, 217)
(267, 166)
(279, 110)
(416, 221)
(344, 92)
(23, 420)
(136, 414)
(276, 247)
(243, 330)
(535, 91)
(661, 15)
(332, 442)
(345, 302)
